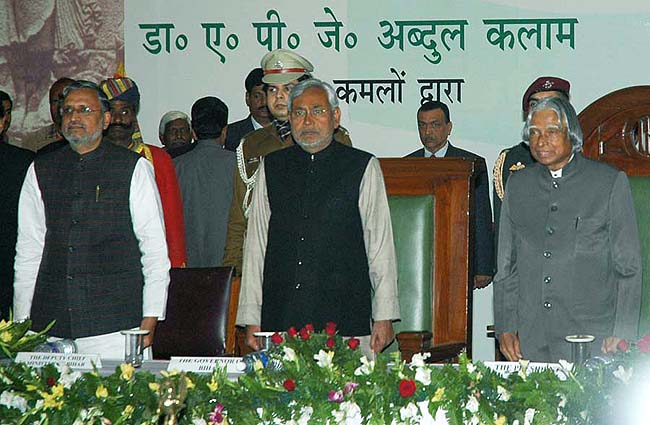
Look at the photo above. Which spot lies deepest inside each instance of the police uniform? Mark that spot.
(508, 162)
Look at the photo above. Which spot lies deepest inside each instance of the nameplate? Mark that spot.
(506, 368)
(204, 364)
(74, 361)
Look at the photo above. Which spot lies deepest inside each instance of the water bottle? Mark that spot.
(65, 346)
(247, 364)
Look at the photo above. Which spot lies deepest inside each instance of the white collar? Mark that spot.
(440, 153)
(557, 174)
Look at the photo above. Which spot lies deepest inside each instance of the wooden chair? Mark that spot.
(430, 210)
(201, 310)
(616, 130)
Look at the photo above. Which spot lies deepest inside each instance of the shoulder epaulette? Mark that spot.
(497, 174)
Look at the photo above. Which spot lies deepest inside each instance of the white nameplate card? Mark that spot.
(506, 368)
(74, 361)
(204, 364)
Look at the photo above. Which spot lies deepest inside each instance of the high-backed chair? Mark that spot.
(200, 318)
(616, 130)
(430, 203)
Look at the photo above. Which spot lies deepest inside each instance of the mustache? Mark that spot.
(73, 125)
(120, 125)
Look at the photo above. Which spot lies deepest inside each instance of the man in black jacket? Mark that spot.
(434, 127)
(259, 115)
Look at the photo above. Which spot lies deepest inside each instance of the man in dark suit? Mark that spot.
(259, 115)
(434, 127)
(14, 162)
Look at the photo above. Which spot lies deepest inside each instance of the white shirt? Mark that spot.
(148, 226)
(440, 153)
(558, 173)
(377, 235)
(256, 125)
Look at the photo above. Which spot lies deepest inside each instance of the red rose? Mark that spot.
(407, 388)
(276, 338)
(289, 384)
(304, 334)
(330, 343)
(309, 327)
(330, 328)
(644, 344)
(623, 346)
(292, 332)
(50, 381)
(353, 343)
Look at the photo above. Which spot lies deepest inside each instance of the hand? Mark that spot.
(148, 323)
(481, 281)
(609, 344)
(382, 335)
(251, 340)
(509, 346)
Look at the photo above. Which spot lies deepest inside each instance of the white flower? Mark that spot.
(349, 413)
(199, 421)
(67, 379)
(260, 412)
(5, 379)
(472, 404)
(523, 368)
(418, 359)
(289, 354)
(324, 359)
(423, 375)
(623, 375)
(409, 411)
(13, 400)
(567, 366)
(305, 415)
(503, 393)
(528, 416)
(366, 368)
(470, 368)
(563, 401)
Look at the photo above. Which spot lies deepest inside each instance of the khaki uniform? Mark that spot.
(252, 149)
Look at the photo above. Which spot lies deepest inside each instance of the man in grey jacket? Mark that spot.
(569, 257)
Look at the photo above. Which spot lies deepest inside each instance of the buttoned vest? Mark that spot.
(315, 268)
(90, 277)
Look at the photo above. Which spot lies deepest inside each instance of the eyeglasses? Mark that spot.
(317, 112)
(82, 110)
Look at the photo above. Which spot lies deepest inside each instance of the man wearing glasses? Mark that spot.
(319, 245)
(569, 259)
(91, 251)
(283, 69)
(434, 127)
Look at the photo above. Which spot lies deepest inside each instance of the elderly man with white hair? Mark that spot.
(175, 133)
(569, 257)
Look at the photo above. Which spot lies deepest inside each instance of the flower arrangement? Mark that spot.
(15, 337)
(319, 378)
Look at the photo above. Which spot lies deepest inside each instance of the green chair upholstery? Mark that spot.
(640, 187)
(412, 220)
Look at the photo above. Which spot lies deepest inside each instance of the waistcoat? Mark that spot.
(90, 277)
(316, 269)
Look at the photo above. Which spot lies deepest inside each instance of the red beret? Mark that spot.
(545, 84)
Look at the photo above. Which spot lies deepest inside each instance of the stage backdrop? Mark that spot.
(385, 57)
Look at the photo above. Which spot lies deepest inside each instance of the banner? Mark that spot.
(385, 58)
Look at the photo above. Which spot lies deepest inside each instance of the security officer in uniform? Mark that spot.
(283, 69)
(518, 157)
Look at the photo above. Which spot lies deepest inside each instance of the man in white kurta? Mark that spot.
(324, 248)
